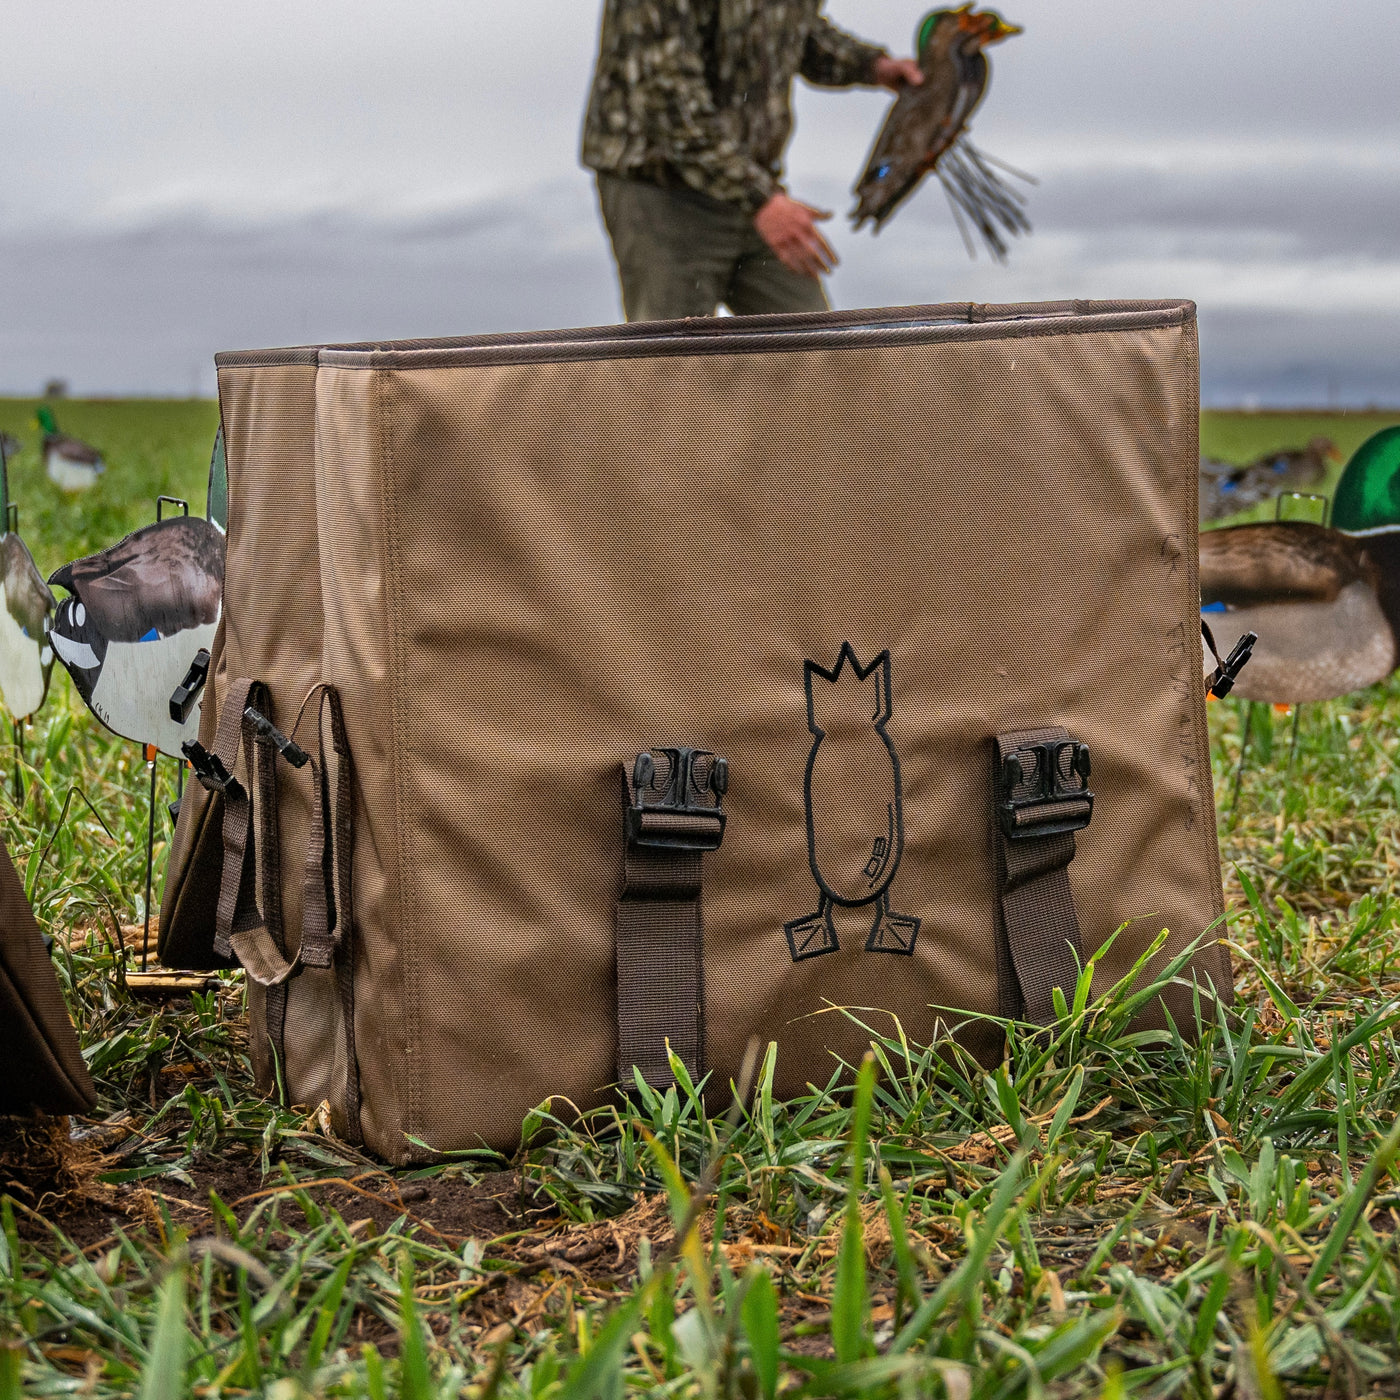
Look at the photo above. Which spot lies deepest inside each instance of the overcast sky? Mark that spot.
(177, 179)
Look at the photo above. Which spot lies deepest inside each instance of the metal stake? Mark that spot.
(19, 758)
(151, 754)
(1239, 768)
(1293, 747)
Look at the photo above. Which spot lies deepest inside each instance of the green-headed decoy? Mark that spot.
(26, 658)
(70, 464)
(137, 615)
(925, 131)
(1325, 601)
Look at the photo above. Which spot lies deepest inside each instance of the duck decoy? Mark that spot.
(926, 128)
(137, 615)
(1324, 600)
(1227, 489)
(70, 464)
(26, 658)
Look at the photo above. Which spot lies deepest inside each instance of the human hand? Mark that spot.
(789, 228)
(896, 73)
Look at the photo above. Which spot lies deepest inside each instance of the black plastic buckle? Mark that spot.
(1050, 786)
(208, 767)
(1228, 672)
(182, 698)
(691, 789)
(289, 749)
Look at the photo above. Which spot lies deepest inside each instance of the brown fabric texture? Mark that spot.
(44, 1068)
(541, 554)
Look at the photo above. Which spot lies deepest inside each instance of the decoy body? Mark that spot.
(925, 128)
(1324, 601)
(1227, 488)
(9, 444)
(26, 656)
(70, 464)
(137, 614)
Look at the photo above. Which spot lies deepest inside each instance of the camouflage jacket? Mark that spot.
(701, 90)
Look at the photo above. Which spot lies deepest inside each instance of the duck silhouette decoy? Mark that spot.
(1227, 489)
(26, 657)
(855, 806)
(1325, 601)
(70, 463)
(925, 131)
(136, 616)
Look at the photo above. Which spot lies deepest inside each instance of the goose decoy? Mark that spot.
(26, 658)
(136, 616)
(926, 131)
(1325, 601)
(70, 464)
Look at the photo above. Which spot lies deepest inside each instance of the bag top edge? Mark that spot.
(703, 335)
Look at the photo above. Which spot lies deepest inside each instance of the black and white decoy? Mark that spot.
(136, 616)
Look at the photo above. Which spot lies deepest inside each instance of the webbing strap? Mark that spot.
(1034, 818)
(249, 920)
(328, 922)
(660, 931)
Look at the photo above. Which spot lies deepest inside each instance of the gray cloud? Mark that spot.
(208, 178)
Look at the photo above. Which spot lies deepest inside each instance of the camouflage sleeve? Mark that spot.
(833, 58)
(680, 112)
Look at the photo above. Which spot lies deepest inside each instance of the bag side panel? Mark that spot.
(583, 559)
(272, 632)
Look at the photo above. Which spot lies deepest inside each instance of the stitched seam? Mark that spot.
(750, 344)
(408, 953)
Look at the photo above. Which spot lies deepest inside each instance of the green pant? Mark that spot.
(680, 253)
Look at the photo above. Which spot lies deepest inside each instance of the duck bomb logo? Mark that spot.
(855, 806)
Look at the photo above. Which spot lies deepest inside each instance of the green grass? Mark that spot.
(1109, 1213)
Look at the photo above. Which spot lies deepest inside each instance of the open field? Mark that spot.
(1109, 1214)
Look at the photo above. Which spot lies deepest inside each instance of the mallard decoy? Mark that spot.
(1325, 601)
(1227, 488)
(926, 131)
(70, 464)
(137, 615)
(26, 658)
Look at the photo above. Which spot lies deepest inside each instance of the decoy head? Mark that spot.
(1367, 498)
(987, 26)
(45, 419)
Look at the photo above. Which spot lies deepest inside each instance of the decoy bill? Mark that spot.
(137, 615)
(1325, 601)
(926, 130)
(71, 464)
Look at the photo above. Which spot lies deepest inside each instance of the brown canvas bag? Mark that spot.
(44, 1068)
(678, 683)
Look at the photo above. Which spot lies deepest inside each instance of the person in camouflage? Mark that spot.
(690, 111)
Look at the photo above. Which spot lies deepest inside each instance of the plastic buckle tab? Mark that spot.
(677, 803)
(182, 698)
(1228, 672)
(266, 730)
(208, 768)
(1053, 797)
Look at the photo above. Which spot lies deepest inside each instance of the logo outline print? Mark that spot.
(814, 934)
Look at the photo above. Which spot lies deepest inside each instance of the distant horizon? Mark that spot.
(380, 174)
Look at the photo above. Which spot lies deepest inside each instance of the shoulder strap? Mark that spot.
(248, 924)
(1041, 797)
